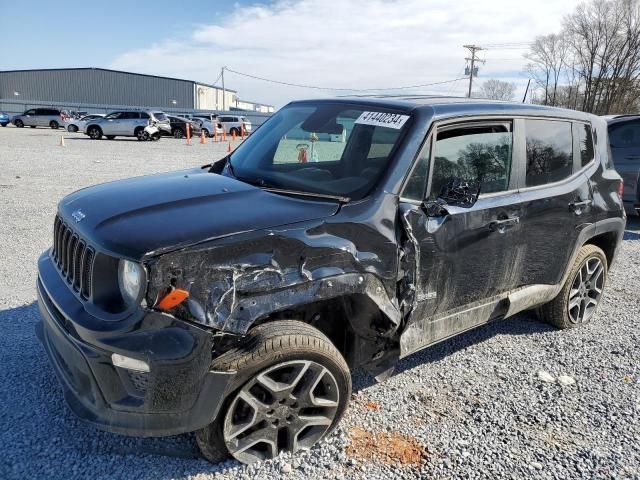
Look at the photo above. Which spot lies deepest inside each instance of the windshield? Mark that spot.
(331, 149)
(160, 116)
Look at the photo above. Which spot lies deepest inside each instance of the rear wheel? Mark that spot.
(140, 134)
(291, 389)
(178, 133)
(72, 129)
(19, 123)
(54, 125)
(94, 133)
(581, 294)
(4, 124)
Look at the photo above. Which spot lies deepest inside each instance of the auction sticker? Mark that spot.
(381, 119)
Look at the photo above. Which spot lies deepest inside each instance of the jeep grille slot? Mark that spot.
(73, 257)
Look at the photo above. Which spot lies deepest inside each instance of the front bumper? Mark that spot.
(178, 395)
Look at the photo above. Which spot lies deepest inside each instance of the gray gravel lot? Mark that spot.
(476, 403)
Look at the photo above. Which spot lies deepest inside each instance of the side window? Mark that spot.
(625, 135)
(30, 112)
(586, 143)
(144, 115)
(549, 151)
(415, 187)
(479, 154)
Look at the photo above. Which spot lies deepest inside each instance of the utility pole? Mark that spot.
(224, 92)
(473, 49)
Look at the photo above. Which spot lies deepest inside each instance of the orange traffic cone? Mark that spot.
(229, 147)
(188, 134)
(215, 135)
(224, 135)
(233, 135)
(61, 144)
(242, 131)
(203, 140)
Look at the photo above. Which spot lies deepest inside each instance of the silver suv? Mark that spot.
(39, 117)
(126, 124)
(235, 123)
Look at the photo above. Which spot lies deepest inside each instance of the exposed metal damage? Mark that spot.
(240, 281)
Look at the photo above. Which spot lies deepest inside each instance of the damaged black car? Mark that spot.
(233, 300)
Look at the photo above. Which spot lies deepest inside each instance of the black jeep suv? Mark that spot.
(233, 299)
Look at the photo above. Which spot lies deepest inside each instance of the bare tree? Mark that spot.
(594, 63)
(547, 60)
(497, 90)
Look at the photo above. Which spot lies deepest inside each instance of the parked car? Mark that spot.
(4, 119)
(234, 123)
(624, 137)
(39, 117)
(209, 124)
(126, 124)
(179, 127)
(233, 299)
(78, 124)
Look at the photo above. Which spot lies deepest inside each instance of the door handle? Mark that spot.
(502, 225)
(578, 207)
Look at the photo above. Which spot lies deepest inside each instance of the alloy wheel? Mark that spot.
(586, 290)
(289, 406)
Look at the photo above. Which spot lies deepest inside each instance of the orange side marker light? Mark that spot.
(173, 299)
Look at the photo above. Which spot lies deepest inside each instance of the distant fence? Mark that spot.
(15, 107)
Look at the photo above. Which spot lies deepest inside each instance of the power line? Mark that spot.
(315, 87)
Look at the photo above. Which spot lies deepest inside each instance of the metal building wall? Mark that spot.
(97, 86)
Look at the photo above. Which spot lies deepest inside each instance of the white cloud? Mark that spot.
(351, 44)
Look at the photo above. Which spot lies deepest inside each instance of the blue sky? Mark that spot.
(354, 44)
(41, 34)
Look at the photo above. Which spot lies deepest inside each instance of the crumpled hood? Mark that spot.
(146, 215)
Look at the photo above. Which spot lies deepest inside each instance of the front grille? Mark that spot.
(73, 257)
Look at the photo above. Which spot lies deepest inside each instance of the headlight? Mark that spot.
(131, 280)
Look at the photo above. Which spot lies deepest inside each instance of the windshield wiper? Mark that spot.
(299, 193)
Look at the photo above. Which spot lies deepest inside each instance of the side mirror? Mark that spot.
(459, 193)
(456, 193)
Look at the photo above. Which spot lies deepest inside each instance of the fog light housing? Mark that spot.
(129, 363)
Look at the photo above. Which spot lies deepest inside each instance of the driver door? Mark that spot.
(464, 257)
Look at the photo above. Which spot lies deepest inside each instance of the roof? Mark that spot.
(613, 119)
(441, 105)
(114, 71)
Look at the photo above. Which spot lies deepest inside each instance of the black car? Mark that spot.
(624, 137)
(179, 127)
(233, 299)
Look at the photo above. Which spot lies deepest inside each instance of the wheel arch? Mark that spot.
(354, 323)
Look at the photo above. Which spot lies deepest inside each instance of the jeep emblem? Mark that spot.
(78, 215)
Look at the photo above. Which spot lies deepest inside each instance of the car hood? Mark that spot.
(144, 216)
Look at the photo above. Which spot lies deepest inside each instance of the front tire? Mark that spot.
(19, 123)
(54, 125)
(582, 292)
(178, 133)
(291, 389)
(95, 133)
(4, 124)
(72, 129)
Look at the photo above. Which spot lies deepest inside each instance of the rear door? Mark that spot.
(624, 138)
(465, 257)
(110, 125)
(556, 198)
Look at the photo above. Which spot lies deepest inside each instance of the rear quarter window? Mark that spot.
(625, 135)
(549, 151)
(585, 140)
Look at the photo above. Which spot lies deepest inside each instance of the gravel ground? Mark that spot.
(477, 406)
